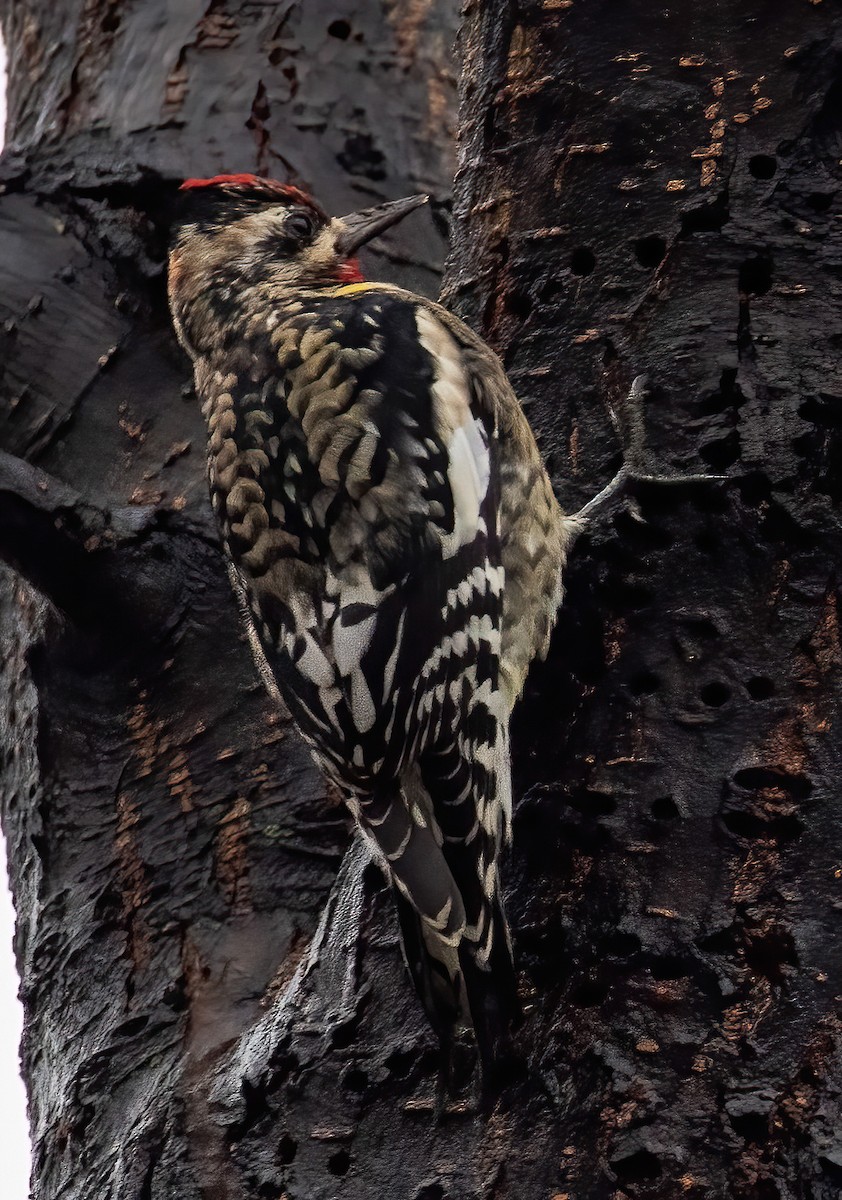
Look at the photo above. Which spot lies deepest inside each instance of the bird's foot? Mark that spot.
(639, 465)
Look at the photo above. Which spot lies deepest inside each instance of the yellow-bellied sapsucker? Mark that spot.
(395, 542)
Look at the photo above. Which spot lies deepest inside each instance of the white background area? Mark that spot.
(14, 1128)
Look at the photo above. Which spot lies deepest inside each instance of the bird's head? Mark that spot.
(244, 228)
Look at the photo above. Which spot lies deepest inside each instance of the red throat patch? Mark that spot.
(349, 271)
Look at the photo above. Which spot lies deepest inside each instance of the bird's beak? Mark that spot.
(361, 227)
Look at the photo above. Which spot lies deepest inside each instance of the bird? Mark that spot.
(397, 550)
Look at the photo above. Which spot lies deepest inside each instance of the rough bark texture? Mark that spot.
(639, 188)
(171, 845)
(677, 850)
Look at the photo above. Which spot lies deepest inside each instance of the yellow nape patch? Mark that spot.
(348, 289)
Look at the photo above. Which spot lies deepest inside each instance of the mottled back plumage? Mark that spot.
(396, 546)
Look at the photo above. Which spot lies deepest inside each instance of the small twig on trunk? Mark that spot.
(44, 493)
(50, 533)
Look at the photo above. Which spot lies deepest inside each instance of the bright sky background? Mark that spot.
(14, 1128)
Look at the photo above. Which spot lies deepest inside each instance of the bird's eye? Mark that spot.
(300, 224)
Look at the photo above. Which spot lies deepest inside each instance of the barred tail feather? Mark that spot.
(471, 804)
(491, 986)
(456, 941)
(469, 1006)
(436, 972)
(407, 841)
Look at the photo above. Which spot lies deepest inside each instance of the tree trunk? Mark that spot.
(677, 855)
(639, 189)
(171, 844)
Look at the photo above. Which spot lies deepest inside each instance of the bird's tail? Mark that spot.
(491, 986)
(470, 1004)
(436, 971)
(406, 839)
(439, 845)
(468, 988)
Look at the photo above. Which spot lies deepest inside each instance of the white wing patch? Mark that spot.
(468, 473)
(469, 465)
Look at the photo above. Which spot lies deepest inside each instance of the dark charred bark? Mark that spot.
(171, 845)
(639, 189)
(675, 882)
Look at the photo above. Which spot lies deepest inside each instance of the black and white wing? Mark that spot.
(358, 485)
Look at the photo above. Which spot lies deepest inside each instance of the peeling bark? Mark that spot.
(211, 1009)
